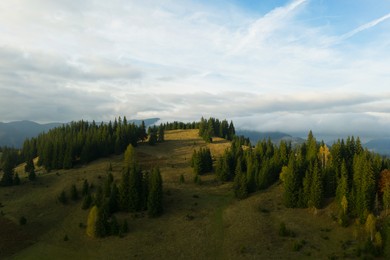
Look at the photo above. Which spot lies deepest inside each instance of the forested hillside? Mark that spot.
(347, 183)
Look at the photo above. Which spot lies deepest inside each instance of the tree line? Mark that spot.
(81, 141)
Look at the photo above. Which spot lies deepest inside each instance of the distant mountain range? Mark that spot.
(380, 145)
(13, 134)
(276, 137)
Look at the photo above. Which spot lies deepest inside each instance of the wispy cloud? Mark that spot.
(261, 28)
(362, 28)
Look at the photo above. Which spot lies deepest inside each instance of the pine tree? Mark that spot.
(29, 166)
(316, 195)
(124, 191)
(74, 194)
(160, 138)
(108, 184)
(114, 226)
(152, 135)
(135, 189)
(8, 173)
(386, 199)
(113, 204)
(32, 176)
(63, 197)
(102, 227)
(99, 197)
(240, 183)
(342, 187)
(291, 185)
(85, 190)
(155, 196)
(87, 201)
(16, 180)
(307, 183)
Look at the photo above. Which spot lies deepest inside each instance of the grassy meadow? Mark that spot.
(199, 221)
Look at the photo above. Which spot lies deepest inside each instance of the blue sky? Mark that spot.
(268, 65)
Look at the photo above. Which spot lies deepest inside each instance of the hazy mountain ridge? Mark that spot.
(275, 136)
(378, 145)
(13, 134)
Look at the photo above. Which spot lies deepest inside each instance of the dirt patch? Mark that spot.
(12, 238)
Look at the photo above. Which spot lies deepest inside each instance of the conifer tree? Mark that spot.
(85, 190)
(386, 199)
(87, 201)
(29, 166)
(113, 204)
(8, 173)
(30, 169)
(16, 180)
(291, 185)
(135, 189)
(124, 191)
(316, 195)
(74, 194)
(102, 227)
(240, 183)
(161, 137)
(155, 196)
(152, 131)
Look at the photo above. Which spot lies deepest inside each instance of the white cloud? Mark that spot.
(180, 60)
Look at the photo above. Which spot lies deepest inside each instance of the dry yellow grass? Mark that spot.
(199, 222)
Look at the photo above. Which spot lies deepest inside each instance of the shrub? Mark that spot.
(197, 179)
(74, 194)
(63, 198)
(297, 246)
(125, 227)
(87, 201)
(284, 231)
(22, 221)
(181, 178)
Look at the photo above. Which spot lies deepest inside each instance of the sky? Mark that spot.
(270, 65)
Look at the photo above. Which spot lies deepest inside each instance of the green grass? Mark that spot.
(199, 221)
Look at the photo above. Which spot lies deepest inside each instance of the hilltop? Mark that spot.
(200, 221)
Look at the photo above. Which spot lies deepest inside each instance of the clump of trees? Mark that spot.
(9, 159)
(156, 134)
(345, 171)
(214, 127)
(137, 191)
(202, 161)
(251, 169)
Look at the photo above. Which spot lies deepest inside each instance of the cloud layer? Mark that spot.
(274, 70)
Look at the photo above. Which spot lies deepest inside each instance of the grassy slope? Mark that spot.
(199, 221)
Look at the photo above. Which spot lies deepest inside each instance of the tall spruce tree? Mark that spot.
(8, 173)
(240, 183)
(155, 196)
